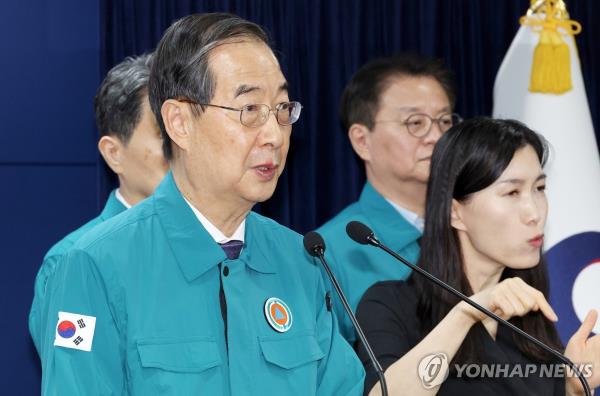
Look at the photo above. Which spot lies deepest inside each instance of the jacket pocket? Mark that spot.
(290, 352)
(189, 355)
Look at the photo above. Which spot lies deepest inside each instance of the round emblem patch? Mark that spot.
(66, 329)
(278, 314)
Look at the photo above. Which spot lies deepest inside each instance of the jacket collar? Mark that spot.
(258, 243)
(112, 207)
(195, 250)
(390, 227)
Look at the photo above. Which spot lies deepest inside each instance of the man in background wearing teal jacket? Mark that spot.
(395, 109)
(189, 292)
(130, 144)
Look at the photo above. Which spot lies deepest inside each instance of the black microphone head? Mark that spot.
(314, 243)
(359, 232)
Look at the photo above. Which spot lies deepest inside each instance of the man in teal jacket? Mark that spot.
(190, 293)
(130, 144)
(395, 109)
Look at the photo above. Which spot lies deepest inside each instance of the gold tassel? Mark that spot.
(551, 66)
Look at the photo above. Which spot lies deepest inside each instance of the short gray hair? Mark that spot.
(119, 99)
(180, 67)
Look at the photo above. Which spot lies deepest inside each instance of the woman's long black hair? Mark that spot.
(468, 158)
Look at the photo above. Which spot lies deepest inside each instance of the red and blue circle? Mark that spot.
(66, 329)
(566, 261)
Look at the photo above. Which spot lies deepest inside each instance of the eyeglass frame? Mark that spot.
(431, 119)
(276, 110)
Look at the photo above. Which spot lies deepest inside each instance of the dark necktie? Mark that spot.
(232, 250)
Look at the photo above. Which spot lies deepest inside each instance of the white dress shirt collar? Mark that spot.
(214, 232)
(411, 217)
(121, 199)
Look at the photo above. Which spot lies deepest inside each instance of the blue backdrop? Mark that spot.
(55, 53)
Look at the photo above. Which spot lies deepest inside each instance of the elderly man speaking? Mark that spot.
(191, 293)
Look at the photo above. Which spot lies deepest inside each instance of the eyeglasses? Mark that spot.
(419, 125)
(255, 115)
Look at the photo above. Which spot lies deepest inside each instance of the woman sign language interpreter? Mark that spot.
(484, 230)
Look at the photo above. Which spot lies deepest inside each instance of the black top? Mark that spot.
(387, 313)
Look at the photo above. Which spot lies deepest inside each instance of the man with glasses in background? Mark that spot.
(395, 109)
(191, 293)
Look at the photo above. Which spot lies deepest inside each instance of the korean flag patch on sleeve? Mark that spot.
(75, 331)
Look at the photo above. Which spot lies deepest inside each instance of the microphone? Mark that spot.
(362, 234)
(315, 246)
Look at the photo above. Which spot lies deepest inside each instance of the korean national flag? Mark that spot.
(75, 331)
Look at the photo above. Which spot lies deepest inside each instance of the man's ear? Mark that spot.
(112, 150)
(178, 120)
(456, 219)
(360, 138)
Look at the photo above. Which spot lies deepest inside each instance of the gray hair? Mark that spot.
(119, 99)
(180, 68)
